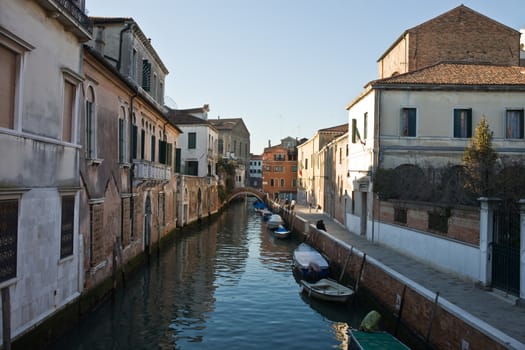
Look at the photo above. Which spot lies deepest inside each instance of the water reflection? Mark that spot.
(226, 284)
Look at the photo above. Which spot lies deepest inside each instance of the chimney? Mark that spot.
(269, 143)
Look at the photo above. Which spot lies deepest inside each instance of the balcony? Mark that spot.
(71, 16)
(145, 171)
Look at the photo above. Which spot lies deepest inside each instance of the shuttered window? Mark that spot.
(8, 238)
(408, 122)
(69, 105)
(146, 75)
(8, 71)
(463, 123)
(134, 141)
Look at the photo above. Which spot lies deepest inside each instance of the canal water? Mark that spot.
(227, 284)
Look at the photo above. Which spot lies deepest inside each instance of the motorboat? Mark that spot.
(327, 289)
(274, 221)
(281, 232)
(309, 263)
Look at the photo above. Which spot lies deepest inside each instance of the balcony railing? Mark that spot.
(71, 16)
(145, 170)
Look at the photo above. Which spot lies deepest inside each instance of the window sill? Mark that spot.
(125, 165)
(95, 162)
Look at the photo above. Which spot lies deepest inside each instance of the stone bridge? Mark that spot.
(250, 191)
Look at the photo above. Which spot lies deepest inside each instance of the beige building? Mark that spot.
(423, 116)
(312, 168)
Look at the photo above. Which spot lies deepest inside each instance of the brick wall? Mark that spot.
(463, 223)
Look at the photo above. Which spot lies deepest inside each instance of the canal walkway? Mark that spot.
(489, 311)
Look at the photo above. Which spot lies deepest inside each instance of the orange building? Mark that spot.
(279, 170)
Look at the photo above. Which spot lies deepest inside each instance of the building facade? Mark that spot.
(255, 171)
(279, 173)
(423, 119)
(40, 245)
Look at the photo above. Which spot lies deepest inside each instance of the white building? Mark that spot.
(40, 66)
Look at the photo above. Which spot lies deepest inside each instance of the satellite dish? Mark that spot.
(168, 101)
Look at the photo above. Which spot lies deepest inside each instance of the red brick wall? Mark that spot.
(419, 311)
(463, 223)
(462, 35)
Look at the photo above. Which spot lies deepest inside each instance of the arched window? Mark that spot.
(91, 124)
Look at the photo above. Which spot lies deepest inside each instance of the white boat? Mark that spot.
(274, 221)
(281, 232)
(309, 263)
(327, 289)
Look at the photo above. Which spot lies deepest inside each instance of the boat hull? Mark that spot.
(327, 290)
(309, 264)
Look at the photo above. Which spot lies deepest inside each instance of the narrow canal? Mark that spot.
(227, 284)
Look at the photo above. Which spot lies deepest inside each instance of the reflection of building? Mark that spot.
(280, 170)
(255, 171)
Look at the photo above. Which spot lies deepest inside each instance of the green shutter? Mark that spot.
(469, 122)
(177, 160)
(411, 122)
(146, 75)
(142, 143)
(457, 123)
(134, 143)
(153, 148)
(354, 130)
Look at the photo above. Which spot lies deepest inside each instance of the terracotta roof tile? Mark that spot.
(450, 73)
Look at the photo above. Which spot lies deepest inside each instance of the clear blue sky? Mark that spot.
(286, 67)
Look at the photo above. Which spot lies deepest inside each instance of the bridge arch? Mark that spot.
(241, 191)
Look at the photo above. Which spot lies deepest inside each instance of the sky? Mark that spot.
(286, 67)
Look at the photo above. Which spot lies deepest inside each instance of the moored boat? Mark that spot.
(274, 221)
(309, 263)
(281, 232)
(327, 289)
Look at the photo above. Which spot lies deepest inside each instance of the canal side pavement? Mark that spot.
(489, 310)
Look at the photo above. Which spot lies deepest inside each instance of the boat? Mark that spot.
(368, 337)
(361, 340)
(327, 289)
(274, 221)
(266, 213)
(281, 232)
(310, 265)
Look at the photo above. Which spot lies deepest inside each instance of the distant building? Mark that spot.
(280, 170)
(255, 171)
(234, 145)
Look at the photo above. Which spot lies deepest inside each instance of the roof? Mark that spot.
(457, 11)
(447, 74)
(339, 128)
(225, 123)
(145, 40)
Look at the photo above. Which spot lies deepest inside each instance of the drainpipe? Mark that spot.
(375, 152)
(125, 29)
(132, 166)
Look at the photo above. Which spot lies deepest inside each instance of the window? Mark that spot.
(8, 238)
(122, 136)
(155, 88)
(134, 139)
(146, 75)
(153, 140)
(463, 123)
(70, 91)
(8, 72)
(192, 168)
(365, 126)
(12, 51)
(142, 143)
(514, 124)
(400, 215)
(408, 122)
(221, 146)
(438, 222)
(272, 182)
(192, 140)
(306, 164)
(90, 124)
(66, 228)
(282, 183)
(278, 169)
(133, 72)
